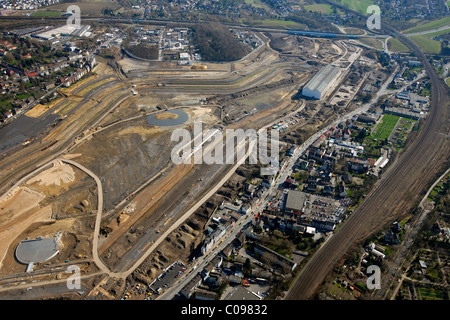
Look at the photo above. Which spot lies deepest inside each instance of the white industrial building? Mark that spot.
(65, 30)
(323, 82)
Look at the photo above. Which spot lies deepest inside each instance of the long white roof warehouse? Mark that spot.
(319, 86)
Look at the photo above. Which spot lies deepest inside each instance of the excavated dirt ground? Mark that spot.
(180, 244)
(60, 198)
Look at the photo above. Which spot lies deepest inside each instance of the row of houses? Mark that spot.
(228, 268)
(225, 217)
(25, 4)
(75, 76)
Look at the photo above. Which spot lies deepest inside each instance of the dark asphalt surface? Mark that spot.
(22, 128)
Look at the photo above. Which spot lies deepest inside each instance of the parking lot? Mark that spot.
(168, 277)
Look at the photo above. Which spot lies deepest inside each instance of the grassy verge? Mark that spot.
(256, 3)
(429, 26)
(427, 44)
(275, 23)
(396, 46)
(46, 14)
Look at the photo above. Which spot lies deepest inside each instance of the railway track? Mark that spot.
(393, 194)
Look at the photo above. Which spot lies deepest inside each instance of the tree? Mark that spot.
(361, 135)
(9, 58)
(247, 268)
(217, 43)
(22, 87)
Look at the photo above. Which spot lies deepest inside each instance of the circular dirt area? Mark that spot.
(168, 118)
(166, 115)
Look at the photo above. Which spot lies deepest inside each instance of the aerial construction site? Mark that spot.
(94, 185)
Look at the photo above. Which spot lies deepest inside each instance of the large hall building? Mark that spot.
(321, 85)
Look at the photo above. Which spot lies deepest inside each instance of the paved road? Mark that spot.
(428, 31)
(203, 261)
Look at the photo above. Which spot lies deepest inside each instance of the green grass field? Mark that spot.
(437, 33)
(23, 96)
(357, 5)
(427, 44)
(385, 128)
(319, 7)
(447, 81)
(406, 124)
(430, 294)
(354, 31)
(429, 26)
(396, 46)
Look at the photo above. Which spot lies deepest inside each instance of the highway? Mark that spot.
(391, 197)
(96, 233)
(227, 83)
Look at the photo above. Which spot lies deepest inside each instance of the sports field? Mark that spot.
(386, 126)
